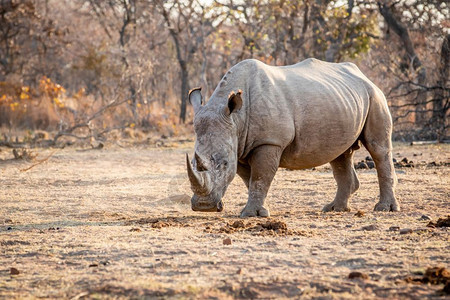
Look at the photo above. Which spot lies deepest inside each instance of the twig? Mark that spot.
(39, 162)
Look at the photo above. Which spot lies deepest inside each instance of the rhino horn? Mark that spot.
(200, 181)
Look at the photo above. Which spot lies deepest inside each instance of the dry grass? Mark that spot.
(117, 223)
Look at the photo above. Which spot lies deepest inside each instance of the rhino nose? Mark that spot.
(206, 206)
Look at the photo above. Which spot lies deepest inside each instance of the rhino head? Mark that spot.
(215, 160)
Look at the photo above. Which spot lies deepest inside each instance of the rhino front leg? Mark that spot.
(244, 172)
(264, 162)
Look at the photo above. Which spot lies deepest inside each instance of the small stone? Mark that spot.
(370, 227)
(370, 164)
(9, 228)
(359, 275)
(394, 228)
(404, 160)
(14, 271)
(360, 214)
(406, 231)
(240, 271)
(361, 165)
(418, 271)
(368, 158)
(394, 160)
(135, 230)
(227, 241)
(425, 218)
(93, 265)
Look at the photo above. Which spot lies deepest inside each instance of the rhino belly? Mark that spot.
(321, 140)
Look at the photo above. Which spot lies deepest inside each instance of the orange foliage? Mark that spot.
(23, 105)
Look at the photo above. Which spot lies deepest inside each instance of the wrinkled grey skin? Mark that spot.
(261, 118)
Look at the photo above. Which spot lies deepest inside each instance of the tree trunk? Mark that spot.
(411, 57)
(442, 95)
(184, 90)
(184, 73)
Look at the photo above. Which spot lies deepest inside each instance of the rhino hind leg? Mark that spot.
(346, 179)
(377, 140)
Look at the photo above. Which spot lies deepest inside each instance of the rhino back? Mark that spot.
(313, 110)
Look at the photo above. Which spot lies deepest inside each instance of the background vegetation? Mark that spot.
(82, 68)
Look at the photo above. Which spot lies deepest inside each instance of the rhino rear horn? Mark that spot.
(195, 98)
(200, 181)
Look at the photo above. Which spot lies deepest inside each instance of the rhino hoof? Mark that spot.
(333, 207)
(256, 212)
(387, 206)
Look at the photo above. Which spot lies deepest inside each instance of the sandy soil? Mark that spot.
(117, 223)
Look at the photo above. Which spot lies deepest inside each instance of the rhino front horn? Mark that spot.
(200, 181)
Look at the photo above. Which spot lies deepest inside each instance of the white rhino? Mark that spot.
(263, 117)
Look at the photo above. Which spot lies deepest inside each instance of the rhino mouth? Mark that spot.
(206, 206)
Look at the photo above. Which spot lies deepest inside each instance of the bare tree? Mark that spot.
(411, 59)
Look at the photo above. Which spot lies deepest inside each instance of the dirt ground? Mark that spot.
(117, 223)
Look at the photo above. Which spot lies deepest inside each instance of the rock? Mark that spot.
(370, 227)
(14, 271)
(394, 160)
(406, 231)
(370, 164)
(135, 230)
(227, 241)
(404, 160)
(361, 165)
(394, 228)
(240, 271)
(425, 218)
(368, 158)
(441, 222)
(358, 275)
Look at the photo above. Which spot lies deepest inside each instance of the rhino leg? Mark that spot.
(244, 172)
(377, 140)
(264, 162)
(346, 179)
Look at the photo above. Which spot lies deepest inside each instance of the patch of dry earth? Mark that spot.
(117, 223)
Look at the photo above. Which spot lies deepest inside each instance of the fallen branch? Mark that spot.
(39, 162)
(424, 142)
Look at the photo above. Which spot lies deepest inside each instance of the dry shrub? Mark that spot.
(50, 107)
(25, 154)
(42, 107)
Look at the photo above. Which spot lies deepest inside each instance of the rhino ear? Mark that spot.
(195, 98)
(234, 103)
